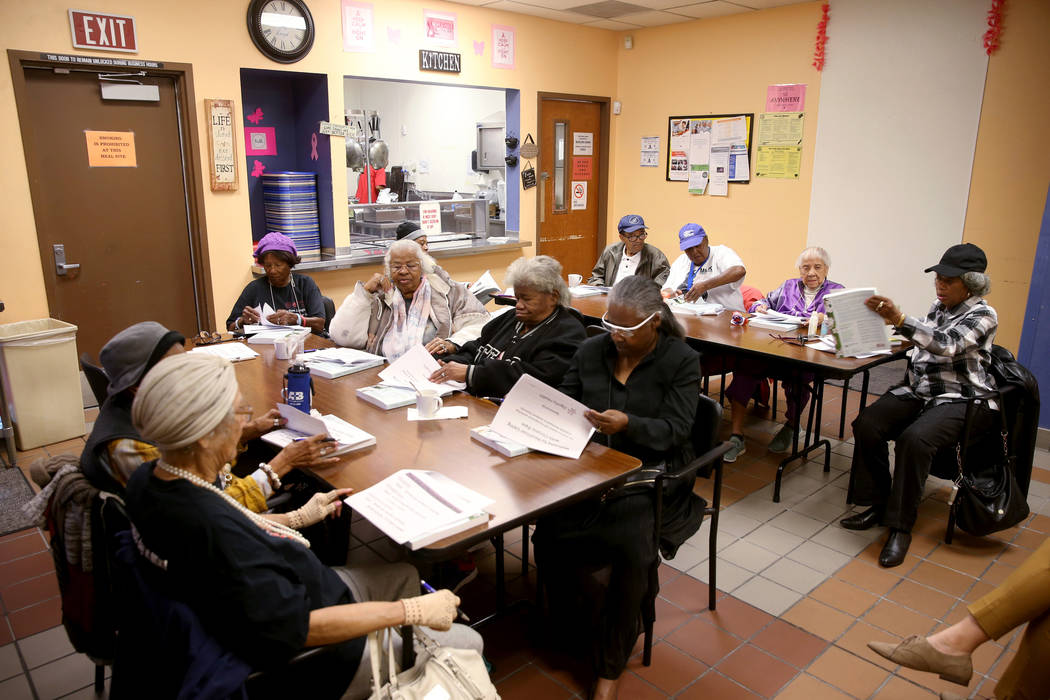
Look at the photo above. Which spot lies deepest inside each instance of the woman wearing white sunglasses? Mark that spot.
(640, 382)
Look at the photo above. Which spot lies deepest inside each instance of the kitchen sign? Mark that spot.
(103, 32)
(440, 61)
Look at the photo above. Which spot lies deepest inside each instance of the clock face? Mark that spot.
(283, 25)
(281, 29)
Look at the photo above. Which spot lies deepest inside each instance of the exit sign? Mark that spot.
(103, 32)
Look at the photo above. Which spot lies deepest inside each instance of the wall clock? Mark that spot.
(282, 29)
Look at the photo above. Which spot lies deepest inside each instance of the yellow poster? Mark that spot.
(778, 161)
(111, 149)
(781, 128)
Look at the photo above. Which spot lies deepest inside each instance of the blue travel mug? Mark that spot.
(298, 386)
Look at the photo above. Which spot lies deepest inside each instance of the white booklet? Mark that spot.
(332, 363)
(347, 437)
(416, 507)
(234, 352)
(486, 285)
(857, 329)
(505, 446)
(541, 417)
(272, 334)
(413, 369)
(694, 308)
(587, 290)
(387, 397)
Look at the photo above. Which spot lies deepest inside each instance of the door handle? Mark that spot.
(61, 266)
(543, 196)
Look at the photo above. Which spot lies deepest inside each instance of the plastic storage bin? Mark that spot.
(41, 375)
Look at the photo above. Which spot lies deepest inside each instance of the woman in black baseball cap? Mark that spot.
(949, 364)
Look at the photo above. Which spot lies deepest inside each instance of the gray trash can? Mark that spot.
(41, 375)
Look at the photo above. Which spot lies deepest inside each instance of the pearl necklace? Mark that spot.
(270, 526)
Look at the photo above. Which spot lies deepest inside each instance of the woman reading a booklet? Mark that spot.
(115, 449)
(949, 364)
(641, 383)
(539, 338)
(295, 299)
(413, 302)
(799, 296)
(252, 580)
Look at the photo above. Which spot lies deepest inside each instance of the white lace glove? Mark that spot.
(435, 610)
(319, 507)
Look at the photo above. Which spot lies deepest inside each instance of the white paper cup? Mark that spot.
(428, 403)
(575, 280)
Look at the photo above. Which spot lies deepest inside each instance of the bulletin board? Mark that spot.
(678, 160)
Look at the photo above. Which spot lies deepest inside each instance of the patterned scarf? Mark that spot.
(409, 322)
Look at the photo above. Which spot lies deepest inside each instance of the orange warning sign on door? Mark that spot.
(581, 168)
(111, 149)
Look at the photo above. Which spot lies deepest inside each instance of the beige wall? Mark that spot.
(1011, 167)
(709, 66)
(212, 37)
(717, 66)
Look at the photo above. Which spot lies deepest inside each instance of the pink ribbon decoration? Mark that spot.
(822, 38)
(995, 27)
(313, 146)
(258, 169)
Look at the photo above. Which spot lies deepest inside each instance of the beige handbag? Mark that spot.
(440, 673)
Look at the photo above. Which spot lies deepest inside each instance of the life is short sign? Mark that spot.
(102, 31)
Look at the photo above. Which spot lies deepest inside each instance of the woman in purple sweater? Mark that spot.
(800, 296)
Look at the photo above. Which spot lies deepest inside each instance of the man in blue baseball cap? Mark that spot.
(706, 272)
(631, 256)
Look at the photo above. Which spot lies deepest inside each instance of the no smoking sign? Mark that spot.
(579, 195)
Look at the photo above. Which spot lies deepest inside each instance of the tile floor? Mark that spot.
(798, 596)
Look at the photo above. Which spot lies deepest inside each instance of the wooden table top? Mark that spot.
(522, 487)
(717, 334)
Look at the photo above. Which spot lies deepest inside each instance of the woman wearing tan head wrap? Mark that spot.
(252, 579)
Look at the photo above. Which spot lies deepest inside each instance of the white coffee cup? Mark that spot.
(428, 403)
(285, 348)
(575, 280)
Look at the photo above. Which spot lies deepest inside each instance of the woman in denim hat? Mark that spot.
(295, 299)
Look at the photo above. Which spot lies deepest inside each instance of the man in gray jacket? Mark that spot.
(631, 256)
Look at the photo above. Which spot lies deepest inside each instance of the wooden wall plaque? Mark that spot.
(222, 146)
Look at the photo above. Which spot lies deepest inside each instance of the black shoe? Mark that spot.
(895, 548)
(863, 520)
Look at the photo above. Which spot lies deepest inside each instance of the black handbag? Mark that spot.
(989, 500)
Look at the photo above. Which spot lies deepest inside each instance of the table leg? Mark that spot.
(525, 550)
(842, 415)
(501, 584)
(815, 412)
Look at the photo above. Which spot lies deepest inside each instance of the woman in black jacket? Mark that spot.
(539, 338)
(641, 383)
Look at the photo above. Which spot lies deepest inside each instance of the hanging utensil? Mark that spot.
(378, 152)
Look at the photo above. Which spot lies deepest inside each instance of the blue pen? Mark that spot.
(430, 589)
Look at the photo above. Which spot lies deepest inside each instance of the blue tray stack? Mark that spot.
(290, 203)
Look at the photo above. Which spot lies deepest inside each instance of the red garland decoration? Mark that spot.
(822, 37)
(995, 27)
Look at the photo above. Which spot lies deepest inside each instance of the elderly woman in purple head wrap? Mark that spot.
(295, 299)
(799, 296)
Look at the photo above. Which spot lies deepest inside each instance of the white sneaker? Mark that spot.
(738, 448)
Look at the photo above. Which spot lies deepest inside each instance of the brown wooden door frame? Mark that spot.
(603, 167)
(185, 102)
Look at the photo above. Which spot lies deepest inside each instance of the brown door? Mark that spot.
(126, 227)
(571, 198)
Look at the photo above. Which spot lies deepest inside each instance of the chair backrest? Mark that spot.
(705, 427)
(329, 311)
(96, 376)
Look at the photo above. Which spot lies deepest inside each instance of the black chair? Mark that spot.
(329, 311)
(96, 376)
(707, 463)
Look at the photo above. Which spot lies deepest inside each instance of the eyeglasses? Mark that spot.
(800, 340)
(411, 267)
(244, 411)
(636, 237)
(624, 330)
(206, 338)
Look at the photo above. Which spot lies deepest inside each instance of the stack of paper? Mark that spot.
(541, 417)
(694, 308)
(387, 397)
(764, 321)
(347, 437)
(274, 333)
(588, 290)
(332, 363)
(234, 352)
(505, 446)
(415, 507)
(265, 311)
(412, 371)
